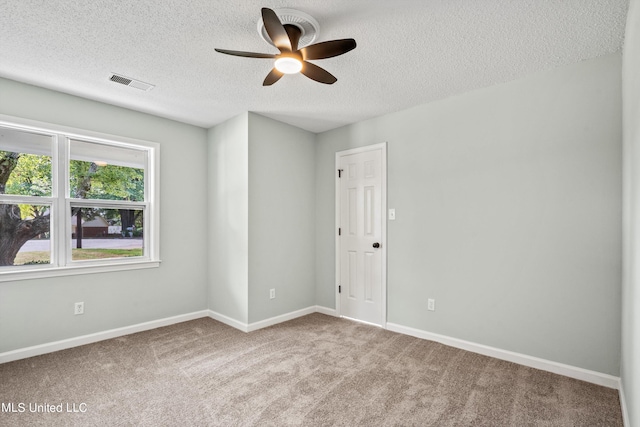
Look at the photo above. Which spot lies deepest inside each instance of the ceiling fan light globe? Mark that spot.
(288, 65)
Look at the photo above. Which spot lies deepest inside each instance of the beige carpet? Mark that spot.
(312, 371)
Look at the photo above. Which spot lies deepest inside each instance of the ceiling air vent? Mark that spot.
(131, 82)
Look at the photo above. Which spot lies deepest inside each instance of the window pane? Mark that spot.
(99, 171)
(25, 163)
(24, 234)
(98, 233)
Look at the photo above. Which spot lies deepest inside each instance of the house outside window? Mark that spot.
(74, 201)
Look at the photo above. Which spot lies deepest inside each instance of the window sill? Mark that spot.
(48, 272)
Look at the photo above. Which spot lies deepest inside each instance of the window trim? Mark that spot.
(61, 202)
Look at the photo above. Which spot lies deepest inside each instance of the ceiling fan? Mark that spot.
(292, 60)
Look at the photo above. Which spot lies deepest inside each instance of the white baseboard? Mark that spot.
(228, 321)
(37, 350)
(282, 318)
(623, 405)
(328, 311)
(522, 359)
(244, 327)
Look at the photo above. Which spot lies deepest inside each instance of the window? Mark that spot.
(74, 202)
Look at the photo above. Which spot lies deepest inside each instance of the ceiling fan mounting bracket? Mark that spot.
(308, 26)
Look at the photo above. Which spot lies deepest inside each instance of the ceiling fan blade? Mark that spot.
(294, 35)
(245, 54)
(276, 30)
(317, 73)
(272, 77)
(328, 49)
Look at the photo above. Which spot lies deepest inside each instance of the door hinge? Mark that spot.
(339, 289)
(339, 231)
(340, 173)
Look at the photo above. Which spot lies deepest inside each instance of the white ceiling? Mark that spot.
(409, 52)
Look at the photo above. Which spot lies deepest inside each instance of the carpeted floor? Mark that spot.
(313, 371)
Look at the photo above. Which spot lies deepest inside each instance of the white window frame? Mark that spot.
(61, 203)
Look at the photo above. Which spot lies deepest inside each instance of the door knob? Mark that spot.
(376, 245)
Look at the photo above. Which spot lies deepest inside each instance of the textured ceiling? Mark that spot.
(409, 52)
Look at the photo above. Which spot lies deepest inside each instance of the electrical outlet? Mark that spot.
(78, 308)
(431, 304)
(272, 293)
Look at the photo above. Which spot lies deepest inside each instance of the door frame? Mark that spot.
(383, 149)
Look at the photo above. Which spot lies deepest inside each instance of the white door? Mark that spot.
(361, 225)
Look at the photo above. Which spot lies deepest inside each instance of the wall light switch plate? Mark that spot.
(392, 214)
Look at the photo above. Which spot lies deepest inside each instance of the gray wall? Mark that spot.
(630, 370)
(508, 203)
(39, 311)
(281, 218)
(228, 218)
(262, 218)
